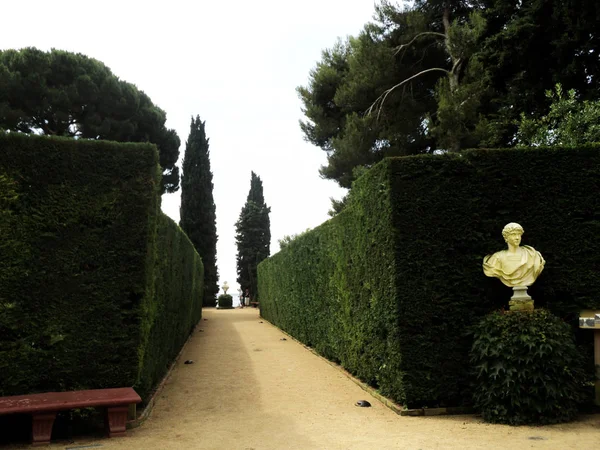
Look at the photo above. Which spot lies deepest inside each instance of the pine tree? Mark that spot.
(253, 236)
(198, 217)
(59, 93)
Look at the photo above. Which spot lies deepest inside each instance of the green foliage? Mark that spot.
(176, 306)
(457, 115)
(528, 47)
(337, 205)
(569, 122)
(253, 237)
(79, 240)
(12, 251)
(198, 217)
(390, 285)
(464, 36)
(88, 268)
(333, 287)
(459, 94)
(287, 239)
(458, 74)
(449, 213)
(59, 93)
(225, 301)
(352, 75)
(527, 367)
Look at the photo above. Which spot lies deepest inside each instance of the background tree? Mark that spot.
(67, 94)
(253, 236)
(445, 74)
(456, 27)
(352, 75)
(528, 48)
(197, 211)
(505, 54)
(570, 122)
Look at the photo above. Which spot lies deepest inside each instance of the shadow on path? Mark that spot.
(214, 403)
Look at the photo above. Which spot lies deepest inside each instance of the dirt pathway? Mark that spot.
(249, 390)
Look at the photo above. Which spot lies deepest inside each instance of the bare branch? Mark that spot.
(381, 99)
(456, 65)
(425, 33)
(424, 53)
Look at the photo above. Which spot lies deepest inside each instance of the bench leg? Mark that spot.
(115, 420)
(41, 428)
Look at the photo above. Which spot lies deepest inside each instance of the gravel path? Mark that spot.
(249, 390)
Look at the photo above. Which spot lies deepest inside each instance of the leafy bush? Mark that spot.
(225, 301)
(528, 368)
(390, 285)
(569, 121)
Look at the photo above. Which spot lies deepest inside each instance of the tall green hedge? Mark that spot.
(334, 287)
(177, 303)
(401, 322)
(83, 279)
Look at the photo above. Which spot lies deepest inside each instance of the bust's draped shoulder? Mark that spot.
(522, 274)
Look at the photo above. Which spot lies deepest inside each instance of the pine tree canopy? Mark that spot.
(68, 94)
(446, 75)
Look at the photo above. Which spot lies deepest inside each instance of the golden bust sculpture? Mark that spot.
(517, 267)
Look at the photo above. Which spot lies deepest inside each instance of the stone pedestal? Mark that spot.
(520, 301)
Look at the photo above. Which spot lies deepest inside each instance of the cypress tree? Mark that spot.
(253, 236)
(197, 212)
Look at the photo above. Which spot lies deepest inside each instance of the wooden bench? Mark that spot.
(254, 304)
(43, 408)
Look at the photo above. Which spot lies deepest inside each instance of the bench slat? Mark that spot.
(57, 401)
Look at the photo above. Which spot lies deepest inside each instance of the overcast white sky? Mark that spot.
(235, 63)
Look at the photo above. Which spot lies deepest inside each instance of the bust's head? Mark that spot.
(512, 233)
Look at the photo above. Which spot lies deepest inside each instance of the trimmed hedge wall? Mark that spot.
(225, 301)
(402, 322)
(333, 288)
(177, 302)
(86, 294)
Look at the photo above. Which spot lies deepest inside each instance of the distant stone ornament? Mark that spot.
(225, 287)
(517, 267)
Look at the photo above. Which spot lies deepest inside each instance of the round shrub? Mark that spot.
(527, 368)
(225, 301)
